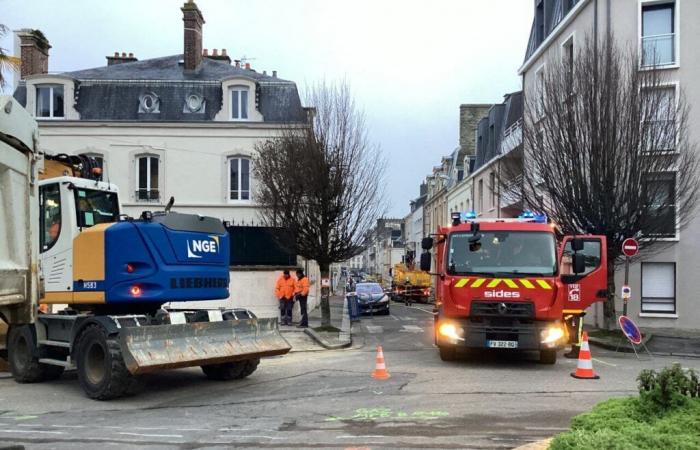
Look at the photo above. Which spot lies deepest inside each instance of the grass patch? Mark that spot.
(329, 329)
(630, 423)
(666, 415)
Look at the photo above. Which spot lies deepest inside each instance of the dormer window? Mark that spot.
(239, 102)
(149, 103)
(194, 104)
(49, 101)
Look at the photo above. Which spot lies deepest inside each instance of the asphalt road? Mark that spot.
(327, 399)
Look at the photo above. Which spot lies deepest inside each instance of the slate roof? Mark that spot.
(554, 12)
(112, 92)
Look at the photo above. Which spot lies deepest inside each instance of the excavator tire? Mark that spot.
(23, 359)
(235, 370)
(101, 369)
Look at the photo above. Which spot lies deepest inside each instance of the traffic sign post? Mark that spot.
(630, 247)
(633, 335)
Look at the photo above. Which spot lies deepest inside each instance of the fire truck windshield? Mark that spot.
(502, 253)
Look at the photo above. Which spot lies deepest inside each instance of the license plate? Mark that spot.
(502, 344)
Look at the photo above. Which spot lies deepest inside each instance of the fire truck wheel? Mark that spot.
(231, 371)
(548, 356)
(101, 369)
(448, 353)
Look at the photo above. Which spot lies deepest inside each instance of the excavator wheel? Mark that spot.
(23, 358)
(235, 370)
(101, 369)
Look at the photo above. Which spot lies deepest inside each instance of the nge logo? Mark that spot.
(196, 246)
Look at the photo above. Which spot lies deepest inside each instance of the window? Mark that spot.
(49, 101)
(660, 104)
(239, 178)
(568, 60)
(591, 256)
(658, 34)
(659, 287)
(49, 215)
(539, 89)
(661, 194)
(93, 207)
(239, 103)
(481, 196)
(99, 162)
(147, 178)
(492, 183)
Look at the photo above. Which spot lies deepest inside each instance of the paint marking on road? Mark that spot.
(149, 428)
(393, 317)
(374, 329)
(603, 362)
(411, 329)
(68, 426)
(416, 307)
(249, 436)
(153, 435)
(367, 436)
(32, 431)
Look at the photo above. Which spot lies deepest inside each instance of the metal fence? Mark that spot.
(260, 246)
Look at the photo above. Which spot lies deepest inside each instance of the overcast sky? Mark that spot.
(410, 63)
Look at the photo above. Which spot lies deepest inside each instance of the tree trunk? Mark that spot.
(325, 297)
(609, 317)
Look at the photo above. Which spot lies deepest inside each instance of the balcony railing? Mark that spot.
(512, 192)
(659, 50)
(512, 137)
(147, 195)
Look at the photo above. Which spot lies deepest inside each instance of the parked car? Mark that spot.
(371, 298)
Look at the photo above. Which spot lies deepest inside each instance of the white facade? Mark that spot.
(664, 286)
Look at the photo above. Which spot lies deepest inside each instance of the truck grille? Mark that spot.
(502, 309)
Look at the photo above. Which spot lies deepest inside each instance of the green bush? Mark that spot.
(669, 388)
(666, 415)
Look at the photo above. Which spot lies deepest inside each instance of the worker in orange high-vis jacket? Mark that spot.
(301, 292)
(284, 290)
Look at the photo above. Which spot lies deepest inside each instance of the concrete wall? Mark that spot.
(684, 250)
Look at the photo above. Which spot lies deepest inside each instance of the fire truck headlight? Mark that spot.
(552, 335)
(450, 331)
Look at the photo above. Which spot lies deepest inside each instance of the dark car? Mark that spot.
(371, 298)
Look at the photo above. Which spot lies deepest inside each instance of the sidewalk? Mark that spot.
(331, 340)
(667, 342)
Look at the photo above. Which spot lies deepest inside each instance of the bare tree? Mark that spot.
(608, 152)
(322, 181)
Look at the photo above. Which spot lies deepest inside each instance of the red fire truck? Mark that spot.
(511, 284)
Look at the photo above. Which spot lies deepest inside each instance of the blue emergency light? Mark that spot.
(535, 217)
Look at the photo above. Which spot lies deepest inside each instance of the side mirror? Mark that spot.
(426, 261)
(578, 262)
(426, 244)
(577, 244)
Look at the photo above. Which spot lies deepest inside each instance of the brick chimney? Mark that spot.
(120, 59)
(34, 52)
(193, 21)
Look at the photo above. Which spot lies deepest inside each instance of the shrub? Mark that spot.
(667, 389)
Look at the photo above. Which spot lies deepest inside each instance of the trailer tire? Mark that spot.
(235, 370)
(448, 353)
(548, 356)
(23, 359)
(101, 369)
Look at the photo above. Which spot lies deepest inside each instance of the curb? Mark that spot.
(538, 445)
(345, 343)
(623, 346)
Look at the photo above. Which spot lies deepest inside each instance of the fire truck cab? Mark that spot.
(510, 283)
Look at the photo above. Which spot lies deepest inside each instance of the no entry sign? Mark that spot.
(630, 247)
(630, 330)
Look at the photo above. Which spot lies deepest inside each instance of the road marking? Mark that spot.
(360, 436)
(248, 436)
(393, 317)
(374, 329)
(415, 307)
(603, 362)
(68, 426)
(411, 329)
(32, 431)
(153, 435)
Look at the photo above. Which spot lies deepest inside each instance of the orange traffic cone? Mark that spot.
(380, 372)
(584, 370)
